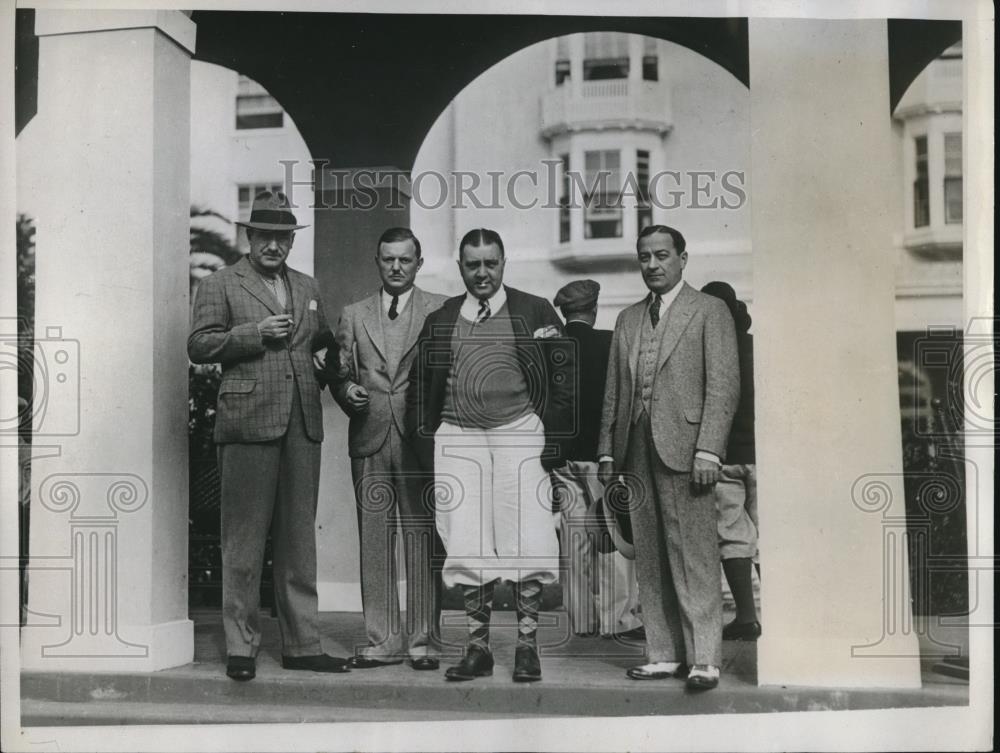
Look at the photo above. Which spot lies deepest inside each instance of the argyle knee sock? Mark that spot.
(737, 570)
(528, 596)
(478, 610)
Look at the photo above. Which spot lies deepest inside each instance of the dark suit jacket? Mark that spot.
(741, 447)
(255, 396)
(545, 363)
(592, 349)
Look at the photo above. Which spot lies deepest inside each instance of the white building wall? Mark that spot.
(494, 124)
(223, 157)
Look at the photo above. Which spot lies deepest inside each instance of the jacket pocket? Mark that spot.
(237, 386)
(693, 414)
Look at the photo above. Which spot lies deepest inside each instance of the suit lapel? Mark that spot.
(372, 322)
(418, 312)
(631, 329)
(251, 282)
(678, 317)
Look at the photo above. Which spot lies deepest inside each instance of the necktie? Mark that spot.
(277, 287)
(484, 311)
(654, 311)
(393, 311)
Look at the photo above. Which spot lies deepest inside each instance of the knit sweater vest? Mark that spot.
(486, 387)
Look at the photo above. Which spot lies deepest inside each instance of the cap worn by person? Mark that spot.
(579, 295)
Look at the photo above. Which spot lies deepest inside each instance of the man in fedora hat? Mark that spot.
(264, 323)
(600, 592)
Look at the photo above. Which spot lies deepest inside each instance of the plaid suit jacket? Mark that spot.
(258, 376)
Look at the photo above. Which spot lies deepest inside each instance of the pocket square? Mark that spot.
(543, 333)
(312, 304)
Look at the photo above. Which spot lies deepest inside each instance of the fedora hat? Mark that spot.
(271, 211)
(609, 520)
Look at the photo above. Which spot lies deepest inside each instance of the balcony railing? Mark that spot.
(614, 103)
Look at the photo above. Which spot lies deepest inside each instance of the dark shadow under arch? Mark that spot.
(364, 89)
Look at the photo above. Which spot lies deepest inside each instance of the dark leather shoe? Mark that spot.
(241, 668)
(425, 663)
(741, 631)
(526, 665)
(477, 662)
(641, 673)
(366, 662)
(317, 663)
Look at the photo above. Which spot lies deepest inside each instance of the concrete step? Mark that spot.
(581, 677)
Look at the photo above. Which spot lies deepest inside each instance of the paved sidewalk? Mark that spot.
(581, 677)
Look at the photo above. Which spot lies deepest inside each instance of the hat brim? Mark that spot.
(269, 226)
(612, 515)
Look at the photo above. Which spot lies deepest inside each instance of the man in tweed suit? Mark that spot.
(378, 335)
(263, 322)
(672, 389)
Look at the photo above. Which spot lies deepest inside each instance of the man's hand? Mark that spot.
(704, 475)
(319, 359)
(357, 398)
(275, 327)
(605, 472)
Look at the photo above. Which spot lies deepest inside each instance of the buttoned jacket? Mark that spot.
(258, 375)
(696, 383)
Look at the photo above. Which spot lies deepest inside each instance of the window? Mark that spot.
(564, 201)
(562, 60)
(245, 194)
(921, 185)
(643, 206)
(953, 178)
(602, 210)
(605, 56)
(650, 60)
(255, 108)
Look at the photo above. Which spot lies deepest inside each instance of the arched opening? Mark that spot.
(568, 148)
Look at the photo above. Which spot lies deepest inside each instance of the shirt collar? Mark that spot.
(403, 300)
(470, 306)
(669, 297)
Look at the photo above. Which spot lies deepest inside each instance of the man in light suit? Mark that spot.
(264, 322)
(490, 400)
(377, 335)
(672, 389)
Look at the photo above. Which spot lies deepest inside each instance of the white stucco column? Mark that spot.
(109, 187)
(835, 596)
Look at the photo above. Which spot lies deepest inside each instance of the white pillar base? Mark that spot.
(134, 648)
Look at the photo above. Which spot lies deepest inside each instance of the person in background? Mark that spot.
(736, 492)
(600, 591)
